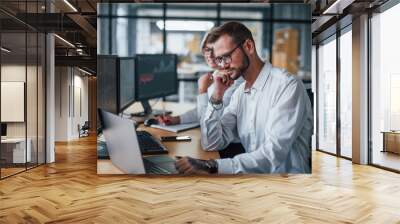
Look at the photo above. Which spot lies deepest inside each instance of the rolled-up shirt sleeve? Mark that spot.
(217, 130)
(196, 114)
(189, 116)
(202, 103)
(284, 123)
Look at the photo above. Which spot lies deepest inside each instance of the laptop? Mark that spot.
(124, 151)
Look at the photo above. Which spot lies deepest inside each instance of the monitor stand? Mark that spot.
(149, 111)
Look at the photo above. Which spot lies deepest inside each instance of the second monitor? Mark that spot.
(155, 76)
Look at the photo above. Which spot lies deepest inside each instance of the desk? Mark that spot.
(391, 141)
(13, 150)
(192, 148)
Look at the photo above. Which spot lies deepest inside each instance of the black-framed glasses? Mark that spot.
(227, 57)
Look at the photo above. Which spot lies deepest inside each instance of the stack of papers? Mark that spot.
(176, 128)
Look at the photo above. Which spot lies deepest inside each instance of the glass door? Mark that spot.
(14, 154)
(326, 136)
(345, 41)
(385, 89)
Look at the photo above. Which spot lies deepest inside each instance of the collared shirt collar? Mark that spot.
(261, 79)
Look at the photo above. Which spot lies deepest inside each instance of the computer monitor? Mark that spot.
(123, 80)
(3, 130)
(107, 83)
(126, 79)
(155, 76)
(116, 82)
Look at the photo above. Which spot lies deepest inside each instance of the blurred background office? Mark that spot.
(281, 32)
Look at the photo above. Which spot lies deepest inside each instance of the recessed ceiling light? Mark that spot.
(185, 25)
(70, 5)
(5, 50)
(84, 71)
(337, 7)
(65, 41)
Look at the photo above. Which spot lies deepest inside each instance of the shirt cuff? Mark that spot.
(202, 100)
(184, 118)
(225, 166)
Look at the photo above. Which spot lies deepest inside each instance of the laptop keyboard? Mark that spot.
(154, 169)
(148, 144)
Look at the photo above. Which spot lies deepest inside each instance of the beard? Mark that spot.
(235, 73)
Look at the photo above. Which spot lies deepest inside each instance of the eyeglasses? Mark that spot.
(227, 57)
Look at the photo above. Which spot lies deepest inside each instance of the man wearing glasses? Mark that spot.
(270, 113)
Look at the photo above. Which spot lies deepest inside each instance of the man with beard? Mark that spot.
(270, 113)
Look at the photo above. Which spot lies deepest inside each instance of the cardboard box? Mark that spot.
(285, 52)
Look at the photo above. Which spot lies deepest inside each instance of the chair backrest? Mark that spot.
(86, 125)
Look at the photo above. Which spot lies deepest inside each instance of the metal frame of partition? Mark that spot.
(338, 98)
(42, 117)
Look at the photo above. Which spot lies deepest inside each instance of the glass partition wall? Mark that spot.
(334, 126)
(334, 94)
(345, 88)
(385, 89)
(327, 95)
(22, 77)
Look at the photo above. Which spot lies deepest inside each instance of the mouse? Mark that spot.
(150, 121)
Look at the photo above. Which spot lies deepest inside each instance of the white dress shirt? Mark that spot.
(196, 114)
(273, 120)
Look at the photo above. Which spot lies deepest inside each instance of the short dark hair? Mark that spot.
(237, 31)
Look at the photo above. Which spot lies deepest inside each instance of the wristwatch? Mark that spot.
(212, 166)
(214, 101)
(216, 104)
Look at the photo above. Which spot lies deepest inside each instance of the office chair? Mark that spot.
(84, 130)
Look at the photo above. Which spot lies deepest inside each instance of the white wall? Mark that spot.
(33, 126)
(71, 102)
(14, 73)
(80, 112)
(61, 103)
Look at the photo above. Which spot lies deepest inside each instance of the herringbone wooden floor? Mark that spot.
(70, 191)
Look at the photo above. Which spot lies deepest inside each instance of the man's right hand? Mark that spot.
(222, 82)
(168, 120)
